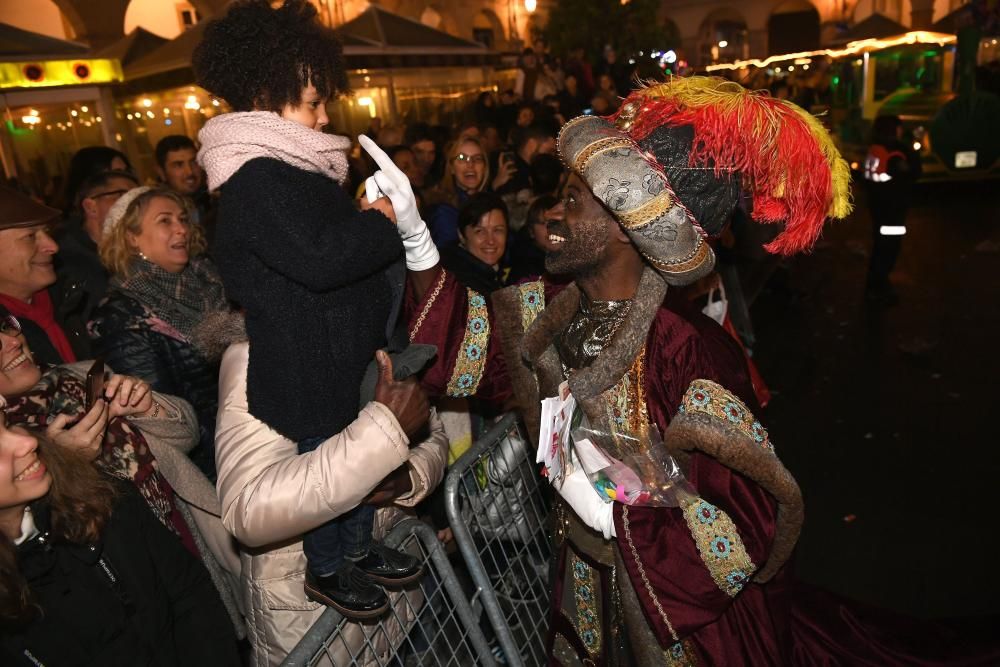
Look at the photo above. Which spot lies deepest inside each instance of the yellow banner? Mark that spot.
(53, 73)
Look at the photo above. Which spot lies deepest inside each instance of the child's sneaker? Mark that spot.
(350, 591)
(389, 567)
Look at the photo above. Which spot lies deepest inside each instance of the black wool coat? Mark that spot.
(136, 598)
(310, 272)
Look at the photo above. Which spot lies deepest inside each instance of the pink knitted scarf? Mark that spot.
(231, 140)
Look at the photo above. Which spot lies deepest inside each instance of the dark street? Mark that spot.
(888, 416)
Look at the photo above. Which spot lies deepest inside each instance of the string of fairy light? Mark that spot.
(852, 48)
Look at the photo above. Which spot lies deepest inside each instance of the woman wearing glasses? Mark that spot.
(134, 434)
(466, 173)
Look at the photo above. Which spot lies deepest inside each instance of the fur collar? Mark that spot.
(617, 357)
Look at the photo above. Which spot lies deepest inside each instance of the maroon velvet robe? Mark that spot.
(763, 624)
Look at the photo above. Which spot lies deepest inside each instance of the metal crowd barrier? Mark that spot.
(431, 623)
(497, 509)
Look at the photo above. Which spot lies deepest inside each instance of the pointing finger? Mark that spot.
(381, 159)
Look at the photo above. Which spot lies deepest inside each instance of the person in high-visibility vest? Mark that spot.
(891, 168)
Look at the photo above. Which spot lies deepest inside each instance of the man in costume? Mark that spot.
(694, 584)
(702, 583)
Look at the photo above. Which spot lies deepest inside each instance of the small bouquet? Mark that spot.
(630, 468)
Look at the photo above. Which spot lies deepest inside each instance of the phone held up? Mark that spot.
(95, 383)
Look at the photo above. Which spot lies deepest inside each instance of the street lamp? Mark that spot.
(530, 5)
(723, 44)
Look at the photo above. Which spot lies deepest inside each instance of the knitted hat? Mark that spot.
(20, 210)
(117, 210)
(672, 163)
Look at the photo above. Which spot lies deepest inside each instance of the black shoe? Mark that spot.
(350, 591)
(390, 567)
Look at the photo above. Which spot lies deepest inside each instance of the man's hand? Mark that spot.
(404, 398)
(84, 436)
(396, 484)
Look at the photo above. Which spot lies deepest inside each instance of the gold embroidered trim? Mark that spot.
(645, 579)
(647, 212)
(588, 626)
(680, 655)
(719, 544)
(697, 257)
(471, 359)
(715, 400)
(427, 306)
(532, 302)
(590, 150)
(626, 400)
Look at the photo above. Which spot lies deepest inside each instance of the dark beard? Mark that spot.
(581, 254)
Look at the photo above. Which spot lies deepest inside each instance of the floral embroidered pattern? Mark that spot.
(532, 302)
(709, 398)
(719, 544)
(679, 655)
(626, 400)
(584, 591)
(471, 360)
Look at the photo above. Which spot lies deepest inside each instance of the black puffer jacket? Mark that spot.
(161, 610)
(134, 341)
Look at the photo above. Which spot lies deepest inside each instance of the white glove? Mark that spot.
(389, 180)
(581, 495)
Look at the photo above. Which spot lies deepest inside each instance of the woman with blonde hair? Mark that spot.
(160, 291)
(466, 172)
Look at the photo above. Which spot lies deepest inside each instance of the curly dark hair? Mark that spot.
(256, 57)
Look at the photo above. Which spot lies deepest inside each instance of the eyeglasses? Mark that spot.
(9, 326)
(474, 159)
(110, 193)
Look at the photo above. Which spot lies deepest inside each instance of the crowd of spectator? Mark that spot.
(122, 266)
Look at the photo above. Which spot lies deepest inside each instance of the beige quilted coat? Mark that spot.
(270, 496)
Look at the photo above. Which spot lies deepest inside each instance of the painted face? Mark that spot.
(540, 229)
(580, 240)
(164, 236)
(18, 371)
(181, 171)
(469, 167)
(310, 111)
(26, 261)
(23, 476)
(487, 239)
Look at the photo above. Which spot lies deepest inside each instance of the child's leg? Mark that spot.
(356, 531)
(323, 546)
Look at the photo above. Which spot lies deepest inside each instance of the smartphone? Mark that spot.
(95, 382)
(507, 156)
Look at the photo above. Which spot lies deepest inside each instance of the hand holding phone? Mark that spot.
(95, 383)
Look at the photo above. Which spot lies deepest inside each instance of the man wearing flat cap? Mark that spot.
(26, 271)
(702, 582)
